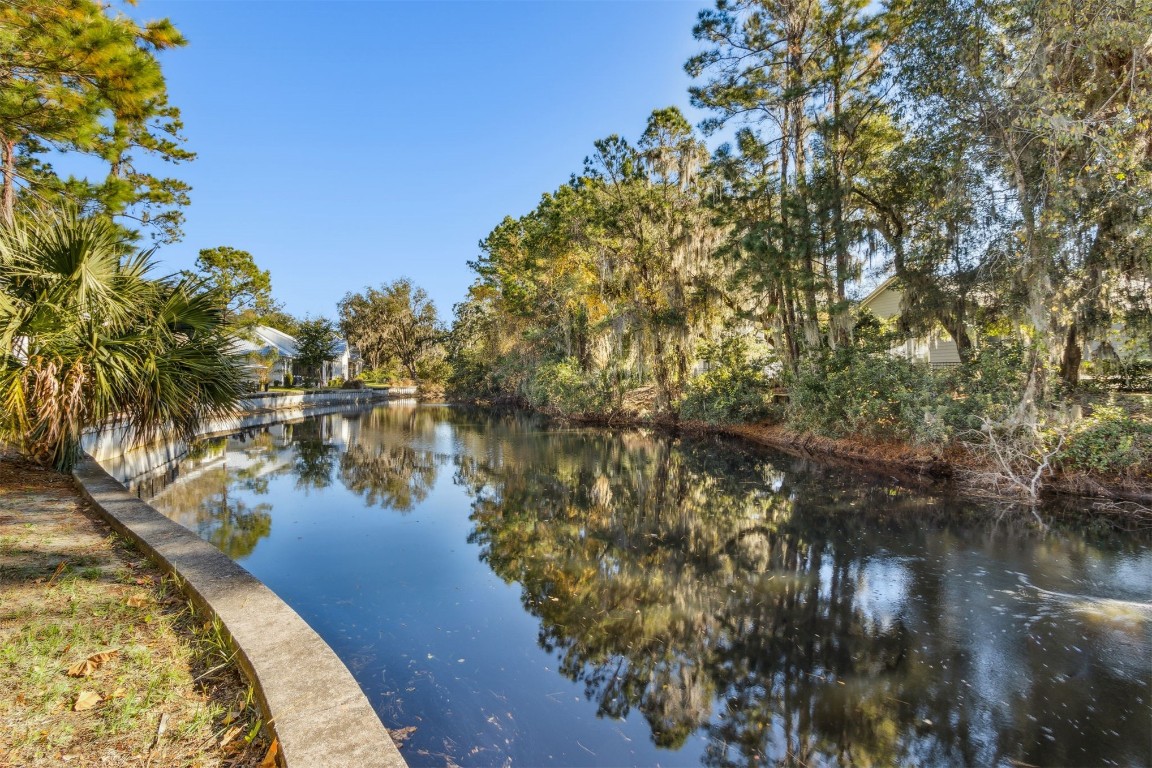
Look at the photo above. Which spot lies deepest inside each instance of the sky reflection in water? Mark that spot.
(534, 596)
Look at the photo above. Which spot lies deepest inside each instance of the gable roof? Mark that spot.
(284, 344)
(877, 292)
(261, 338)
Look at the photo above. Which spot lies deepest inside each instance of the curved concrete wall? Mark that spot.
(310, 700)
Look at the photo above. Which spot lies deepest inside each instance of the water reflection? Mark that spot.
(795, 616)
(214, 499)
(387, 462)
(315, 459)
(712, 604)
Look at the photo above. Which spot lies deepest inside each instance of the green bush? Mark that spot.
(865, 390)
(733, 389)
(868, 393)
(564, 388)
(1109, 441)
(382, 375)
(988, 386)
(433, 369)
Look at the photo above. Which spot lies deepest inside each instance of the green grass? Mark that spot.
(169, 661)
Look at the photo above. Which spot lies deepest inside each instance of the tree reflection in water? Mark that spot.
(754, 603)
(208, 497)
(315, 459)
(390, 460)
(749, 607)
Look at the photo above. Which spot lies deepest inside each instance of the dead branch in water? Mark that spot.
(1013, 458)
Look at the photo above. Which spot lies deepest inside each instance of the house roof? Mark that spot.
(261, 338)
(879, 290)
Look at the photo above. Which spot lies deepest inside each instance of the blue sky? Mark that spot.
(346, 144)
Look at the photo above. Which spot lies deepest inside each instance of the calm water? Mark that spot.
(525, 595)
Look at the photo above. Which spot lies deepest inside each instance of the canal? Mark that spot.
(509, 592)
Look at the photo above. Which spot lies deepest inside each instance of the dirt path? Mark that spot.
(103, 662)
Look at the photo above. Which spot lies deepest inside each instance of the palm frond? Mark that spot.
(86, 337)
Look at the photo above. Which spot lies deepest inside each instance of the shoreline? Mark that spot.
(922, 465)
(927, 465)
(316, 711)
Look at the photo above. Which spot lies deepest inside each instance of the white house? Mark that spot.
(939, 349)
(936, 348)
(263, 340)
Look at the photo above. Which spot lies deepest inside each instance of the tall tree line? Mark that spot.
(994, 155)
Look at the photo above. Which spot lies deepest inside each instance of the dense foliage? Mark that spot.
(993, 158)
(79, 79)
(88, 337)
(396, 329)
(244, 289)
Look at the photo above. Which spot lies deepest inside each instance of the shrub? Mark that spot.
(986, 387)
(336, 381)
(565, 389)
(865, 392)
(733, 389)
(1109, 441)
(433, 369)
(353, 384)
(386, 374)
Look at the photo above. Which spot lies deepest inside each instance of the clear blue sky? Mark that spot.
(350, 143)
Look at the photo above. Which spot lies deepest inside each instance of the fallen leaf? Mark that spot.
(269, 760)
(83, 669)
(92, 663)
(136, 601)
(400, 735)
(119, 693)
(229, 734)
(86, 700)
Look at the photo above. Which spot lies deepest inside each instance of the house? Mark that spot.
(1116, 344)
(262, 346)
(346, 365)
(936, 348)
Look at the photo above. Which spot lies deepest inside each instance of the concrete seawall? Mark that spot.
(318, 713)
(111, 448)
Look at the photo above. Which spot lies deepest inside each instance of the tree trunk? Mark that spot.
(8, 193)
(1070, 363)
(963, 341)
(841, 325)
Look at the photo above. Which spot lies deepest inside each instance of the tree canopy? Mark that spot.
(244, 289)
(995, 158)
(77, 78)
(316, 342)
(396, 322)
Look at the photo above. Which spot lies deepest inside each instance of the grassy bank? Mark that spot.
(104, 662)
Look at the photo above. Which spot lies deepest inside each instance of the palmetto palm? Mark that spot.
(87, 337)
